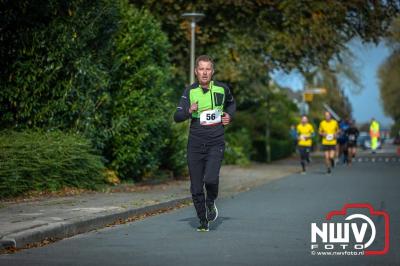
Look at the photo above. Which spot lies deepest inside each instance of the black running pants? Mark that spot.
(204, 165)
(304, 154)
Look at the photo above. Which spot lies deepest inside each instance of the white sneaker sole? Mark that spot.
(216, 214)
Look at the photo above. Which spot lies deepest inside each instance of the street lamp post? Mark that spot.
(193, 18)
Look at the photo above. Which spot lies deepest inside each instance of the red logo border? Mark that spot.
(368, 206)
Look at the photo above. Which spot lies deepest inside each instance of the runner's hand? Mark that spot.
(193, 107)
(226, 119)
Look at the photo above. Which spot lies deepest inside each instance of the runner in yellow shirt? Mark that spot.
(305, 132)
(328, 130)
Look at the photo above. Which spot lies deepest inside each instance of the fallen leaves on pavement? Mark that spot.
(49, 240)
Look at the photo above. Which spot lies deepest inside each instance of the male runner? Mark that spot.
(209, 105)
(352, 135)
(328, 130)
(293, 136)
(305, 132)
(342, 141)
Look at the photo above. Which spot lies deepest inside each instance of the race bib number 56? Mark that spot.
(210, 117)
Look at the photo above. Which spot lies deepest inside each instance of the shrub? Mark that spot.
(281, 149)
(33, 160)
(99, 68)
(141, 110)
(238, 147)
(174, 154)
(56, 78)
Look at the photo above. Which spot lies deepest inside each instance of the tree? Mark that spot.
(328, 77)
(250, 39)
(267, 114)
(282, 33)
(389, 79)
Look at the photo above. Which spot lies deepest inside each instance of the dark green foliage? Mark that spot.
(56, 77)
(284, 33)
(266, 106)
(46, 161)
(174, 154)
(281, 149)
(58, 72)
(141, 107)
(96, 67)
(250, 39)
(238, 147)
(102, 69)
(389, 77)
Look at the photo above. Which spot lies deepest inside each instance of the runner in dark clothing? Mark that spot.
(342, 142)
(210, 106)
(351, 135)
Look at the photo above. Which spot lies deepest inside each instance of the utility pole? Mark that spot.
(268, 93)
(268, 131)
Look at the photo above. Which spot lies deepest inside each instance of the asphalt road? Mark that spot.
(269, 225)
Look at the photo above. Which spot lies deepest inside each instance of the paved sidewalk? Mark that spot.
(60, 217)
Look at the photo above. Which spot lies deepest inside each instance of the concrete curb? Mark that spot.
(62, 230)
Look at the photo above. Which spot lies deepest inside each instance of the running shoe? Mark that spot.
(203, 227)
(212, 212)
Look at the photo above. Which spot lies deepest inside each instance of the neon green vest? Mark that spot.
(213, 99)
(374, 129)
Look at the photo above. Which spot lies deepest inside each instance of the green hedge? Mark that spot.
(174, 155)
(99, 68)
(281, 149)
(237, 147)
(141, 105)
(34, 160)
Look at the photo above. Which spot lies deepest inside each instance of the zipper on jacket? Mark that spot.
(212, 103)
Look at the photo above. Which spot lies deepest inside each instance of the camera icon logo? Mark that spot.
(352, 231)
